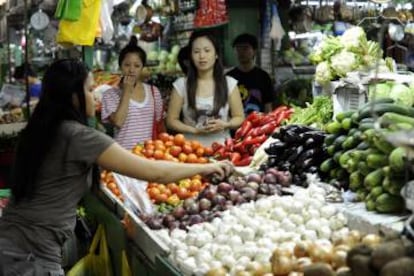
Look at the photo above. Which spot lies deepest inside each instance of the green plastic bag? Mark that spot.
(68, 10)
(97, 262)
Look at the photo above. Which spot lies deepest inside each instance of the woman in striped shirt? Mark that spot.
(132, 107)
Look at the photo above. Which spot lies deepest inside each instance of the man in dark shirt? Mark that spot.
(254, 84)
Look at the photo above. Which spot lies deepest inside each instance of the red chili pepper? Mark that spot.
(244, 161)
(257, 120)
(239, 147)
(279, 109)
(256, 132)
(267, 129)
(235, 157)
(216, 146)
(229, 144)
(244, 129)
(252, 115)
(283, 116)
(256, 140)
(219, 154)
(268, 119)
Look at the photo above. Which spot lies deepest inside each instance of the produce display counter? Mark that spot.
(152, 249)
(12, 128)
(144, 237)
(371, 222)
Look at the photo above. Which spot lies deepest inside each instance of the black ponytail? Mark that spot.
(132, 47)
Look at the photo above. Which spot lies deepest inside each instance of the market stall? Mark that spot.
(321, 183)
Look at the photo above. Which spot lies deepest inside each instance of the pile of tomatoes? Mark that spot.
(174, 148)
(174, 193)
(108, 179)
(171, 148)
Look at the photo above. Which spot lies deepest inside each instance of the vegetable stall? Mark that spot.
(316, 190)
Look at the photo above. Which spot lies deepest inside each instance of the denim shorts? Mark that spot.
(17, 262)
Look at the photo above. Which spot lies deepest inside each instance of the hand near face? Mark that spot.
(129, 82)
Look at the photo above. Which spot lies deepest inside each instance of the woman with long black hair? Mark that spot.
(209, 102)
(53, 170)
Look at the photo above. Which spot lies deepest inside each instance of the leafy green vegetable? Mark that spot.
(318, 113)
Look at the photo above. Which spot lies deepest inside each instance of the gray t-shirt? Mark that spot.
(42, 224)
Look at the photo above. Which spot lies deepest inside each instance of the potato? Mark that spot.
(360, 249)
(387, 252)
(318, 269)
(360, 265)
(399, 267)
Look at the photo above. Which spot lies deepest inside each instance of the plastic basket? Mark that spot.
(347, 98)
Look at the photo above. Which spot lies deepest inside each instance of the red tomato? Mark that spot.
(175, 151)
(192, 158)
(182, 157)
(187, 149)
(169, 144)
(208, 151)
(200, 151)
(179, 139)
(160, 198)
(173, 187)
(195, 185)
(183, 193)
(159, 155)
(164, 137)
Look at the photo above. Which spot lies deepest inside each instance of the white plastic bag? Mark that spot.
(135, 195)
(107, 27)
(276, 32)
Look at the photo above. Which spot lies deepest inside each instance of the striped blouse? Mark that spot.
(139, 122)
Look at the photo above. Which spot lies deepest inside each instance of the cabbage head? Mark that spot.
(401, 94)
(379, 90)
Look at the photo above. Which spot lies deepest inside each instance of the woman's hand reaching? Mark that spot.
(222, 169)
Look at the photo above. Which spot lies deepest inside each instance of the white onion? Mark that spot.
(263, 205)
(278, 214)
(328, 211)
(228, 261)
(243, 261)
(314, 213)
(192, 250)
(309, 235)
(221, 239)
(247, 234)
(296, 219)
(179, 234)
(324, 232)
(297, 207)
(312, 224)
(235, 241)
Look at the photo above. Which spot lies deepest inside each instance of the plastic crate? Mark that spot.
(348, 97)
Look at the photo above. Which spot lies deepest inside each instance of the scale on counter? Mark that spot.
(39, 20)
